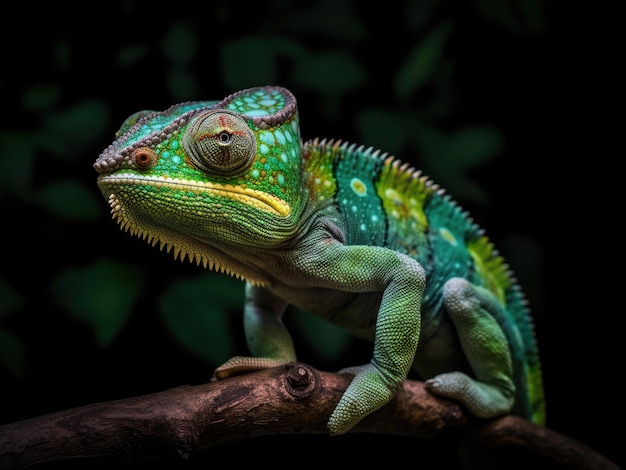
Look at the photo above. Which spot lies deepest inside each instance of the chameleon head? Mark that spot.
(208, 173)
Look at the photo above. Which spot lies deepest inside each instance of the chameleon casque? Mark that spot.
(345, 232)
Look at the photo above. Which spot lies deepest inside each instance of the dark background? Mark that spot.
(464, 90)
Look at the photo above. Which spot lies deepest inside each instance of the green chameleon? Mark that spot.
(342, 231)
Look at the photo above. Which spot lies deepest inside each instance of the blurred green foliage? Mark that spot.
(460, 90)
(102, 295)
(196, 309)
(388, 85)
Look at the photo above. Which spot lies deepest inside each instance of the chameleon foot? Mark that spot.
(238, 365)
(482, 400)
(367, 392)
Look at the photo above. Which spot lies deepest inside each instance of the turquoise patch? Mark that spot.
(280, 137)
(256, 112)
(259, 103)
(266, 137)
(267, 102)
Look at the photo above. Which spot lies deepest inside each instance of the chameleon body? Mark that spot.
(342, 231)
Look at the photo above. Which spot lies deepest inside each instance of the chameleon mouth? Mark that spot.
(249, 197)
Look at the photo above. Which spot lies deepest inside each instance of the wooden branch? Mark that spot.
(291, 399)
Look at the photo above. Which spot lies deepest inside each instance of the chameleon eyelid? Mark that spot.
(220, 142)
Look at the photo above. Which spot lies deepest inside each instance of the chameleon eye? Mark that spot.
(143, 157)
(220, 142)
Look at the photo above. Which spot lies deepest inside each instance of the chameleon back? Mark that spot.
(385, 202)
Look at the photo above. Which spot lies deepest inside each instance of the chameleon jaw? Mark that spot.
(247, 196)
(181, 247)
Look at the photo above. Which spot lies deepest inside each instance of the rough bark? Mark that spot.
(291, 399)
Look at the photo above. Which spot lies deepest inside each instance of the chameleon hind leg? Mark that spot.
(472, 310)
(266, 335)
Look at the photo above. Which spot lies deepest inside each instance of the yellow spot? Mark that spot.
(447, 235)
(393, 196)
(358, 187)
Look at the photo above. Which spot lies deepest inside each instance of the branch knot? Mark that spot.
(299, 380)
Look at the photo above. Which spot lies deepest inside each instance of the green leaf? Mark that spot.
(183, 84)
(196, 311)
(253, 60)
(180, 43)
(330, 73)
(62, 54)
(40, 97)
(130, 55)
(422, 62)
(473, 146)
(17, 158)
(448, 158)
(81, 124)
(383, 129)
(69, 199)
(102, 295)
(516, 16)
(326, 340)
(338, 21)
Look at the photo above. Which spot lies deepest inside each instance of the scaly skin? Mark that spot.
(344, 232)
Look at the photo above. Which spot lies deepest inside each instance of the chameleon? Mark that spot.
(342, 231)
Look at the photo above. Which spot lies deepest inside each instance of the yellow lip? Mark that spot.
(247, 196)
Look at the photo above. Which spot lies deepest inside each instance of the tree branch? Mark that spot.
(291, 399)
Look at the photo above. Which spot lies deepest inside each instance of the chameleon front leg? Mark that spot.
(267, 337)
(473, 310)
(357, 269)
(401, 280)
